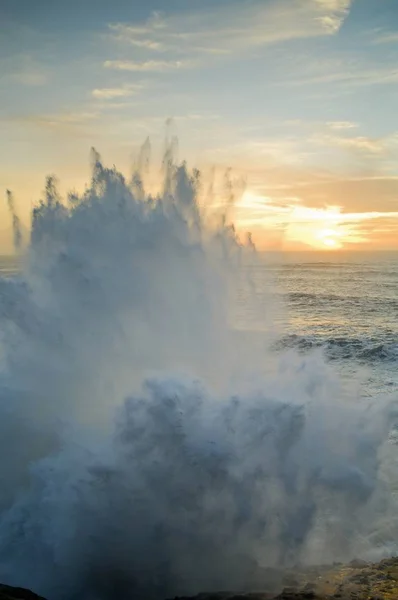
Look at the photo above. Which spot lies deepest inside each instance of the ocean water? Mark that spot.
(343, 304)
(8, 266)
(178, 411)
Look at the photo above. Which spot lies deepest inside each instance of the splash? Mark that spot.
(148, 449)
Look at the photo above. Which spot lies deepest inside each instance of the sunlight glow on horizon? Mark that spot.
(331, 238)
(328, 228)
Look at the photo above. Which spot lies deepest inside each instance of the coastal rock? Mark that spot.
(358, 580)
(355, 581)
(8, 592)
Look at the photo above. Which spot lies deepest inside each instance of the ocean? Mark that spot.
(179, 412)
(343, 304)
(8, 266)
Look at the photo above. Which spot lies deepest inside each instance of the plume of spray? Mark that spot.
(147, 450)
(16, 222)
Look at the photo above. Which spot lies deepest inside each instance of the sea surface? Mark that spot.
(343, 304)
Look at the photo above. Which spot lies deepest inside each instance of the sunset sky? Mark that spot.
(301, 96)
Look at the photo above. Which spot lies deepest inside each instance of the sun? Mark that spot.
(330, 243)
(329, 238)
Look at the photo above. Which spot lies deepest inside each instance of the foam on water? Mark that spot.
(147, 449)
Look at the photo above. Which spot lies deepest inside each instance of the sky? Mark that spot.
(299, 97)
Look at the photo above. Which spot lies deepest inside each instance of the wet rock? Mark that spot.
(8, 592)
(358, 564)
(291, 581)
(310, 587)
(357, 581)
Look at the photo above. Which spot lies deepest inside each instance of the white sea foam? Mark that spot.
(147, 450)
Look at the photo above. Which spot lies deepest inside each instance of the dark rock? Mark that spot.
(8, 592)
(370, 582)
(289, 594)
(358, 564)
(290, 581)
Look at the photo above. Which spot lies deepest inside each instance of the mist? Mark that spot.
(149, 450)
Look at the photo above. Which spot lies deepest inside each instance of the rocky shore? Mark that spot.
(356, 581)
(15, 593)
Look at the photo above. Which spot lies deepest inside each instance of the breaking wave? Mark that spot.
(147, 449)
(363, 350)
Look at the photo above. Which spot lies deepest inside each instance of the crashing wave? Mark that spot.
(149, 451)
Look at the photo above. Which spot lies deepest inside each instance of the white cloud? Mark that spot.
(229, 29)
(147, 44)
(363, 144)
(335, 13)
(341, 125)
(335, 6)
(112, 93)
(136, 36)
(147, 66)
